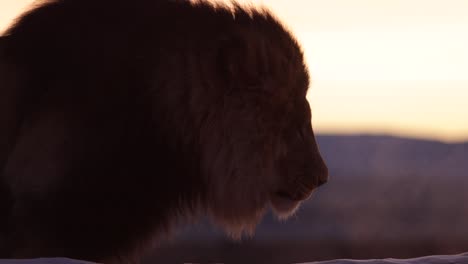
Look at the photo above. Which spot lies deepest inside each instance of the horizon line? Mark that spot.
(391, 135)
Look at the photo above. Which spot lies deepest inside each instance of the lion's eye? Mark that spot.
(304, 130)
(301, 132)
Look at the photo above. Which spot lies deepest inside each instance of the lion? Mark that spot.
(123, 119)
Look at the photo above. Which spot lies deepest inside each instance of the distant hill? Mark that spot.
(386, 197)
(393, 156)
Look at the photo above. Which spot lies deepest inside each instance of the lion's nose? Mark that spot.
(317, 167)
(322, 174)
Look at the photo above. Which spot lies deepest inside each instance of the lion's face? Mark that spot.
(260, 161)
(261, 151)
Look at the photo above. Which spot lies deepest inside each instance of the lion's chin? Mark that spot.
(283, 207)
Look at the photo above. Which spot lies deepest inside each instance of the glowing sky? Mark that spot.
(386, 66)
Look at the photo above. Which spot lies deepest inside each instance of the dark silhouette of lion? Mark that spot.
(120, 118)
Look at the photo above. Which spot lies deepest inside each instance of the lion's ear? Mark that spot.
(242, 64)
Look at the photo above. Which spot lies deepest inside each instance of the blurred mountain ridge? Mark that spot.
(393, 156)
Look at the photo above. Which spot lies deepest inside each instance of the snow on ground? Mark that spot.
(443, 259)
(43, 261)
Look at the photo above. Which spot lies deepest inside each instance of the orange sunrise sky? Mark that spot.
(396, 67)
